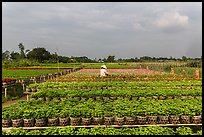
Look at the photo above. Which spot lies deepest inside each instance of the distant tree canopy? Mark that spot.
(39, 54)
(111, 59)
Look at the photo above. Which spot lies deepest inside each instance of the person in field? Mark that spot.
(103, 71)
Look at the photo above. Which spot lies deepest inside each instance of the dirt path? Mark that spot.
(13, 101)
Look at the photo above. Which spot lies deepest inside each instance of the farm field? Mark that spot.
(128, 102)
(24, 74)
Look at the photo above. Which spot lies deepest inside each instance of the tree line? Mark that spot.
(41, 55)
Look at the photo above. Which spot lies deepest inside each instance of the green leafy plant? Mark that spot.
(184, 131)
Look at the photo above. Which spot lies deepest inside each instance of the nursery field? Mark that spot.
(131, 101)
(24, 74)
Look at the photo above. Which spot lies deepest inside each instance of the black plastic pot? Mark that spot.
(185, 119)
(119, 121)
(29, 122)
(86, 121)
(129, 120)
(152, 119)
(40, 122)
(174, 120)
(163, 119)
(196, 119)
(64, 121)
(141, 120)
(97, 121)
(17, 122)
(108, 120)
(6, 123)
(53, 122)
(75, 121)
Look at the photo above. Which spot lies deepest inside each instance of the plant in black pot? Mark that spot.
(40, 117)
(6, 121)
(108, 118)
(64, 117)
(52, 115)
(75, 116)
(97, 115)
(28, 118)
(86, 115)
(16, 117)
(119, 117)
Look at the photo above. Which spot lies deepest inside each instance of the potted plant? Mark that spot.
(40, 117)
(75, 116)
(86, 116)
(28, 118)
(6, 121)
(16, 117)
(119, 117)
(97, 115)
(52, 117)
(108, 117)
(64, 117)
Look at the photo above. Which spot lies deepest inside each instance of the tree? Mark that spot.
(22, 48)
(6, 55)
(15, 55)
(39, 54)
(111, 58)
(184, 58)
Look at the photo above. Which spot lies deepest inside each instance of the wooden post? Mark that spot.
(197, 73)
(172, 70)
(5, 92)
(27, 97)
(24, 87)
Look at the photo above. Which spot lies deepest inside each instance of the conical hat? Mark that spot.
(104, 66)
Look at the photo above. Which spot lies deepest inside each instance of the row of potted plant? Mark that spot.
(133, 84)
(126, 92)
(109, 79)
(106, 108)
(137, 120)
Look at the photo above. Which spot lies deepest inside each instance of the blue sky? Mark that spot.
(100, 29)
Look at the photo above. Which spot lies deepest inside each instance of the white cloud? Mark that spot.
(169, 19)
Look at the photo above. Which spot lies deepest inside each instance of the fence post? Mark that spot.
(5, 92)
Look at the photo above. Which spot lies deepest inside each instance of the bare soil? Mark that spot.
(24, 97)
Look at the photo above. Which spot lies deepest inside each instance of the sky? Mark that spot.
(100, 29)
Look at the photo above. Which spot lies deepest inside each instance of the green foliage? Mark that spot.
(184, 131)
(67, 131)
(151, 130)
(24, 74)
(51, 131)
(19, 63)
(17, 131)
(34, 132)
(39, 54)
(199, 132)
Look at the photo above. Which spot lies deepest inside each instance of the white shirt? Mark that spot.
(103, 72)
